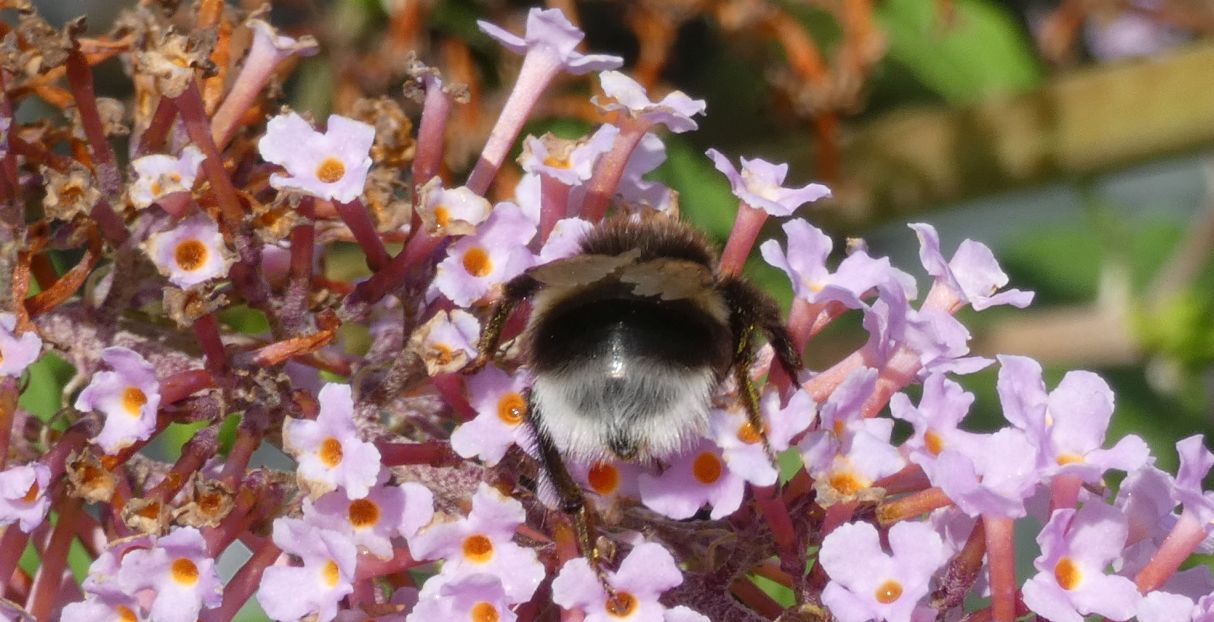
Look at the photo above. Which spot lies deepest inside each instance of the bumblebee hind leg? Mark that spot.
(517, 290)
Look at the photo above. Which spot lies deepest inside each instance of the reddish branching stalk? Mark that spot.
(1001, 561)
(198, 127)
(746, 226)
(200, 448)
(359, 221)
(912, 505)
(244, 583)
(434, 453)
(1186, 535)
(151, 140)
(436, 109)
(53, 561)
(610, 168)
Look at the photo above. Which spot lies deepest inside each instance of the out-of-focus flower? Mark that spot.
(159, 175)
(695, 478)
(478, 265)
(675, 110)
(23, 497)
(16, 351)
(289, 593)
(552, 37)
(372, 521)
(866, 583)
(648, 571)
(128, 396)
(475, 597)
(446, 342)
(1076, 548)
(180, 573)
(481, 542)
(328, 450)
(331, 165)
(972, 275)
(761, 185)
(191, 252)
(500, 411)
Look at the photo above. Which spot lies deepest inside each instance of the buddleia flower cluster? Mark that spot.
(383, 482)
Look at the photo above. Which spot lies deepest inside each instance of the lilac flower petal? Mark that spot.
(648, 571)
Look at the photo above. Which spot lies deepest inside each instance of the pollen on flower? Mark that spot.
(1069, 458)
(707, 468)
(190, 255)
(511, 408)
(184, 571)
(846, 483)
(1067, 573)
(331, 573)
(363, 513)
(330, 170)
(330, 452)
(32, 493)
(477, 262)
(604, 478)
(478, 548)
(933, 442)
(748, 434)
(125, 614)
(442, 216)
(133, 401)
(557, 162)
(888, 592)
(621, 604)
(484, 612)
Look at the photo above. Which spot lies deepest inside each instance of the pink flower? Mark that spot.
(648, 571)
(478, 265)
(551, 36)
(128, 396)
(500, 411)
(159, 175)
(103, 608)
(675, 111)
(331, 165)
(190, 253)
(372, 522)
(761, 185)
(805, 264)
(741, 444)
(565, 239)
(326, 576)
(972, 275)
(180, 573)
(16, 351)
(481, 542)
(328, 450)
(866, 583)
(474, 597)
(23, 497)
(693, 479)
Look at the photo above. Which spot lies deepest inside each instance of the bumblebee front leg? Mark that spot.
(517, 289)
(747, 393)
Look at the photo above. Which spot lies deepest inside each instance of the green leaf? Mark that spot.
(982, 51)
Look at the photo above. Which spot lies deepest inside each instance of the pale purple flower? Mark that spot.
(972, 275)
(328, 450)
(695, 478)
(404, 598)
(191, 252)
(372, 522)
(607, 481)
(447, 341)
(760, 185)
(935, 419)
(478, 265)
(805, 264)
(102, 576)
(23, 498)
(128, 397)
(331, 165)
(565, 240)
(866, 583)
(635, 189)
(1067, 425)
(648, 571)
(180, 573)
(103, 608)
(1164, 607)
(940, 342)
(569, 162)
(16, 351)
(501, 407)
(989, 474)
(1076, 547)
(675, 111)
(481, 542)
(474, 597)
(551, 35)
(451, 211)
(1195, 463)
(1145, 497)
(159, 175)
(326, 576)
(1138, 28)
(741, 445)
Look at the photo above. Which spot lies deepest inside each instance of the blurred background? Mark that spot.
(1072, 136)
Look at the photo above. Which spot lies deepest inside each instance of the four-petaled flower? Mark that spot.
(552, 37)
(191, 252)
(17, 351)
(478, 265)
(760, 185)
(326, 576)
(675, 110)
(331, 165)
(866, 583)
(374, 520)
(23, 496)
(501, 406)
(328, 450)
(648, 571)
(160, 175)
(128, 396)
(180, 573)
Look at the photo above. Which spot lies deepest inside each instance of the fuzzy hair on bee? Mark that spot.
(628, 341)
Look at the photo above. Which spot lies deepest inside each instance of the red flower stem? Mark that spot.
(359, 221)
(370, 566)
(430, 133)
(10, 391)
(183, 384)
(897, 373)
(610, 168)
(303, 242)
(200, 448)
(822, 385)
(754, 597)
(434, 453)
(554, 205)
(1001, 561)
(206, 330)
(393, 275)
(56, 458)
(746, 226)
(109, 222)
(53, 561)
(244, 583)
(80, 79)
(962, 570)
(773, 509)
(198, 127)
(152, 138)
(912, 505)
(800, 485)
(12, 545)
(363, 594)
(236, 522)
(1184, 538)
(451, 388)
(1064, 491)
(837, 514)
(910, 479)
(237, 462)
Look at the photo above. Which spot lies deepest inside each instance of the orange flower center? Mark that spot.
(1067, 573)
(442, 216)
(331, 573)
(1069, 458)
(477, 262)
(748, 434)
(621, 604)
(363, 513)
(478, 549)
(604, 478)
(888, 592)
(32, 493)
(330, 452)
(184, 571)
(190, 255)
(125, 614)
(706, 468)
(933, 442)
(484, 612)
(846, 483)
(556, 162)
(511, 408)
(331, 170)
(133, 400)
(443, 354)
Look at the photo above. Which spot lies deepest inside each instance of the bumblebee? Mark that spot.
(627, 341)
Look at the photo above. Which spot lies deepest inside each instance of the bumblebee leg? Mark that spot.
(517, 289)
(754, 310)
(747, 393)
